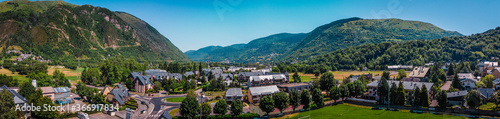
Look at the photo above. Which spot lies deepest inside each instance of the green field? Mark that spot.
(342, 111)
(176, 99)
(307, 78)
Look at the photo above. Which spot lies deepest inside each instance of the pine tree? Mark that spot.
(424, 97)
(416, 97)
(451, 69)
(401, 94)
(456, 82)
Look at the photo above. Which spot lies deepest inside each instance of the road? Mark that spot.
(161, 106)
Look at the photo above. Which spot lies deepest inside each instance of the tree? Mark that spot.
(424, 96)
(383, 88)
(496, 100)
(189, 107)
(266, 104)
(7, 105)
(386, 75)
(317, 97)
(393, 93)
(43, 101)
(296, 77)
(220, 107)
(416, 97)
(359, 88)
(344, 91)
(157, 86)
(352, 89)
(435, 79)
(401, 94)
(455, 82)
(305, 99)
(206, 109)
(236, 107)
(442, 99)
(335, 93)
(327, 81)
(473, 99)
(316, 73)
(488, 80)
(130, 83)
(401, 74)
(26, 89)
(294, 99)
(451, 70)
(281, 101)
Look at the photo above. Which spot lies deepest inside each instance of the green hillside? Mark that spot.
(350, 32)
(259, 50)
(63, 32)
(485, 46)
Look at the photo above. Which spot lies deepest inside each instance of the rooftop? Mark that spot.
(294, 85)
(234, 92)
(264, 90)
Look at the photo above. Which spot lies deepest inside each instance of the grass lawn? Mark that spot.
(174, 111)
(487, 106)
(214, 93)
(67, 72)
(176, 99)
(307, 78)
(340, 75)
(350, 112)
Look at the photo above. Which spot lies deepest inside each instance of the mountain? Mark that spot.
(261, 50)
(483, 46)
(64, 32)
(351, 32)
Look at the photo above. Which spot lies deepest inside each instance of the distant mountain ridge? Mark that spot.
(63, 33)
(327, 38)
(263, 49)
(355, 31)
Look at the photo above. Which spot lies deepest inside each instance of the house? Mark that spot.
(254, 94)
(486, 93)
(468, 83)
(142, 84)
(294, 86)
(419, 72)
(496, 72)
(119, 95)
(267, 80)
(287, 75)
(486, 67)
(411, 79)
(355, 77)
(496, 84)
(106, 90)
(245, 76)
(48, 91)
(195, 73)
(233, 94)
(18, 99)
(157, 74)
(62, 93)
(407, 85)
(456, 98)
(394, 67)
(227, 78)
(175, 76)
(465, 75)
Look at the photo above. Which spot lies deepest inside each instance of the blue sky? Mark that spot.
(193, 24)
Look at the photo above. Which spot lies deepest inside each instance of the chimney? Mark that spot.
(33, 83)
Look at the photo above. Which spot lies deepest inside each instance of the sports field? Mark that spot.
(342, 111)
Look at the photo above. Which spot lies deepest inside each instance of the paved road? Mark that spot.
(161, 106)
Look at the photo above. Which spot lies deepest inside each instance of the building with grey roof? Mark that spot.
(245, 76)
(233, 94)
(294, 86)
(18, 99)
(407, 85)
(456, 98)
(255, 93)
(486, 93)
(142, 83)
(62, 93)
(119, 95)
